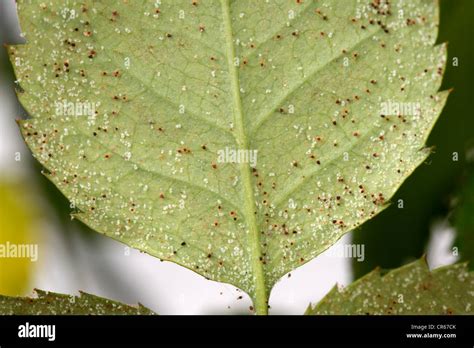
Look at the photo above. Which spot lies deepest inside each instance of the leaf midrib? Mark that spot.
(249, 209)
(242, 140)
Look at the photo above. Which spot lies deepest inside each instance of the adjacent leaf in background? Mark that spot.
(463, 220)
(18, 220)
(178, 85)
(411, 289)
(50, 303)
(397, 236)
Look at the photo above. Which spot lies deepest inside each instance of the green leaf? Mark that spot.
(50, 303)
(427, 192)
(463, 220)
(178, 83)
(411, 289)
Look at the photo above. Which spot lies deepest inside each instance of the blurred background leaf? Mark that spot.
(463, 219)
(17, 226)
(400, 235)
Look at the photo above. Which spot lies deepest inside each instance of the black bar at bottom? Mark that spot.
(449, 331)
